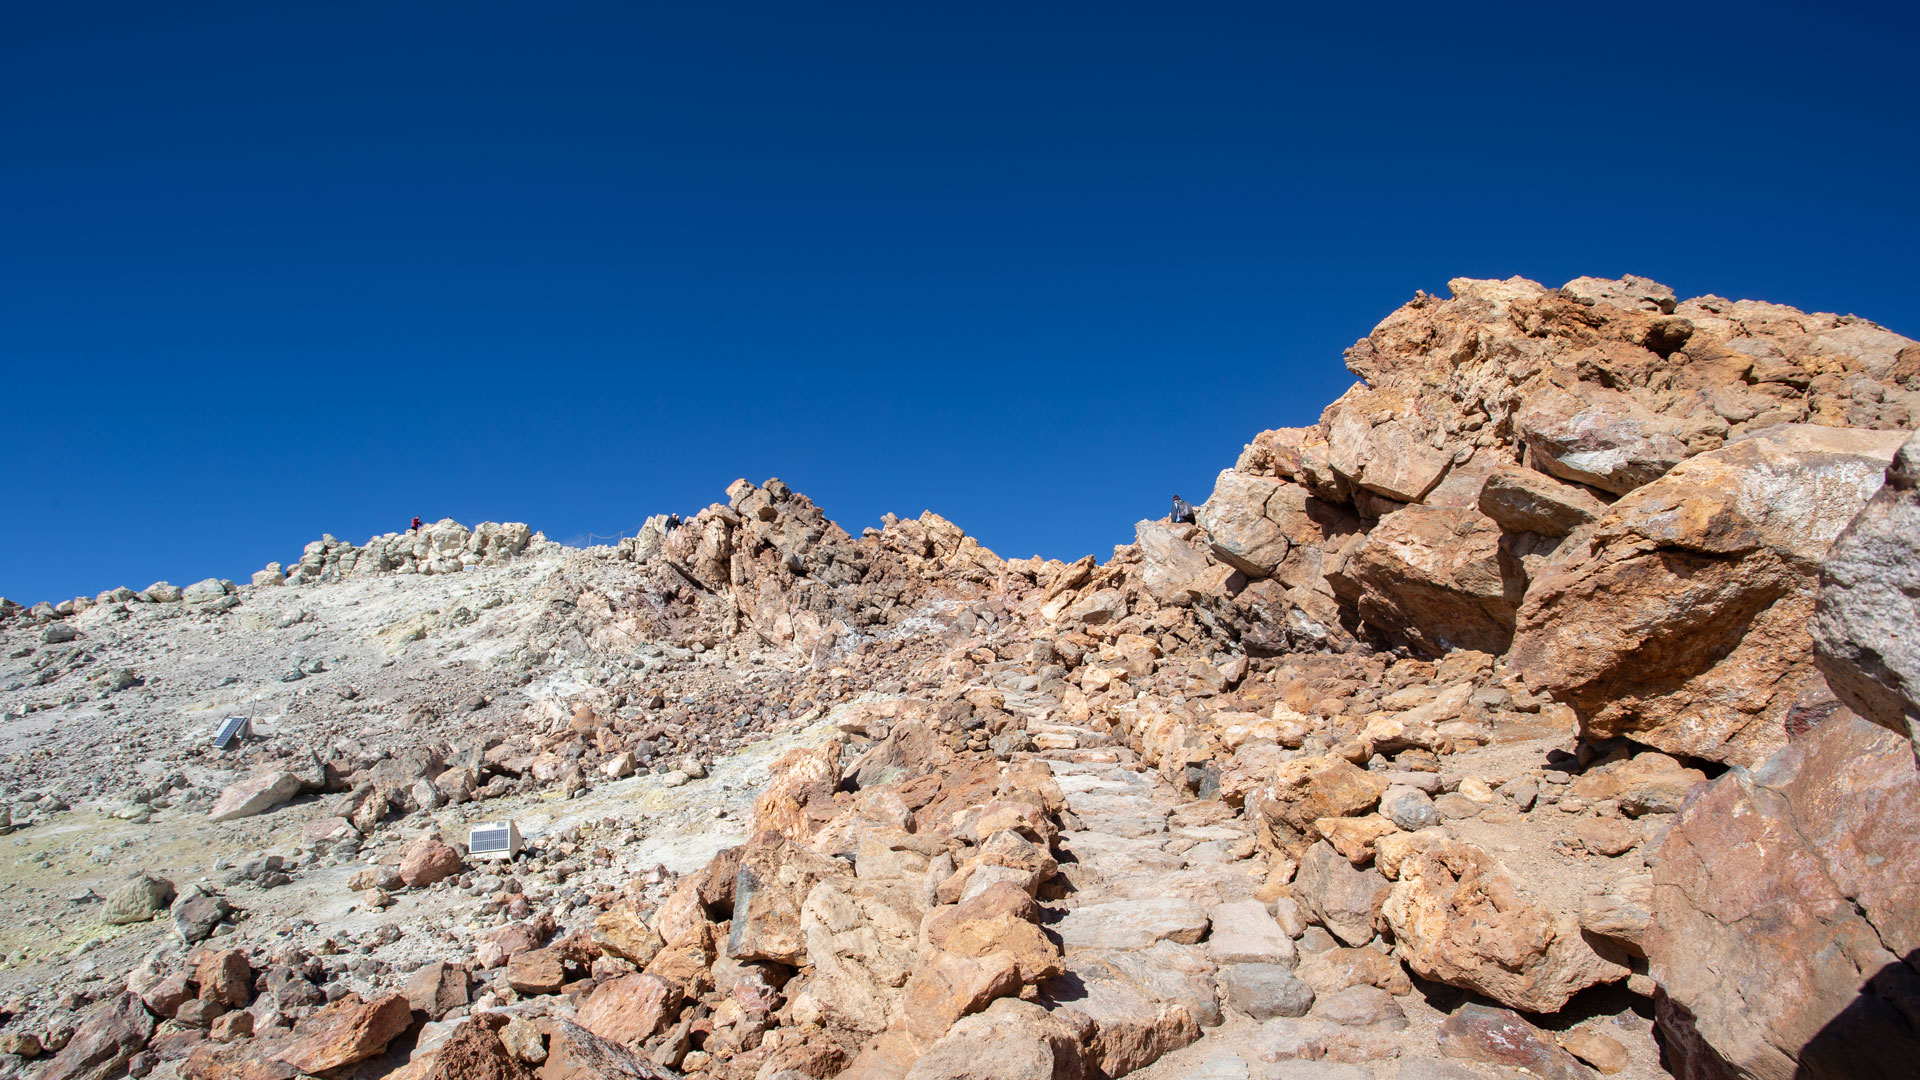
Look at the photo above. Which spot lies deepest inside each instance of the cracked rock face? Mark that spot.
(1785, 926)
(1866, 626)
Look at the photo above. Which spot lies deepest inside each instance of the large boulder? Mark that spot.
(141, 898)
(1339, 896)
(109, 1037)
(1389, 456)
(1236, 519)
(1785, 928)
(1680, 618)
(1866, 626)
(257, 794)
(1435, 577)
(347, 1031)
(862, 939)
(1459, 918)
(1525, 500)
(772, 884)
(1601, 437)
(1172, 567)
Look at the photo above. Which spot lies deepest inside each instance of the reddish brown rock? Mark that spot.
(225, 977)
(1011, 1040)
(109, 1037)
(198, 1013)
(347, 1031)
(1435, 577)
(234, 1025)
(1303, 791)
(802, 782)
(1603, 437)
(538, 971)
(1525, 500)
(1786, 913)
(622, 931)
(1606, 836)
(1503, 1037)
(630, 1009)
(1335, 893)
(946, 986)
(1596, 1048)
(242, 1059)
(518, 937)
(437, 988)
(427, 861)
(475, 1052)
(257, 794)
(774, 878)
(1236, 520)
(167, 995)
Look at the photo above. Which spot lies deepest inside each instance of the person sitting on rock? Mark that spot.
(1182, 511)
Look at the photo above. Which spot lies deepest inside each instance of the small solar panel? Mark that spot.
(500, 840)
(232, 730)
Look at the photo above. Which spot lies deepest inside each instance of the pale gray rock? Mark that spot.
(1408, 808)
(1133, 924)
(1866, 624)
(1244, 933)
(255, 795)
(203, 591)
(140, 899)
(1264, 991)
(1235, 518)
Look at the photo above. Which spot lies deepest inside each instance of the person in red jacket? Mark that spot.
(415, 527)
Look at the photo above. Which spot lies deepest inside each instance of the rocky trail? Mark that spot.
(1548, 709)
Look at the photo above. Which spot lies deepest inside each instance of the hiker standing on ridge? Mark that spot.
(415, 527)
(1182, 511)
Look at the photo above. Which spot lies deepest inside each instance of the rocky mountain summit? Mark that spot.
(1547, 709)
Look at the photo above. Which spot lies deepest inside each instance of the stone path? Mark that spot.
(1182, 971)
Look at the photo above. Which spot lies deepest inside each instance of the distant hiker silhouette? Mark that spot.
(415, 527)
(1182, 511)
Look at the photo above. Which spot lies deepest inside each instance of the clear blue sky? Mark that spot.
(270, 270)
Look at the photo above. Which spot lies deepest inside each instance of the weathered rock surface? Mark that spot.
(1682, 619)
(1866, 626)
(347, 1031)
(1786, 912)
(1458, 918)
(255, 795)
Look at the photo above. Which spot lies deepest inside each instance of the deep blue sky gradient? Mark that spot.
(268, 271)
